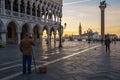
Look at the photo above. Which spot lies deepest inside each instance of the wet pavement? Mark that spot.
(75, 61)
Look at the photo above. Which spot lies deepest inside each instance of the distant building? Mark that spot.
(80, 29)
(95, 36)
(92, 36)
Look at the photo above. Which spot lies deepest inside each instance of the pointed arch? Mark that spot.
(16, 23)
(11, 35)
(25, 29)
(36, 33)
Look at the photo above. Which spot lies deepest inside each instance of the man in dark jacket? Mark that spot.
(107, 43)
(26, 49)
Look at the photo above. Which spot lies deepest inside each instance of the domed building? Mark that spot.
(18, 17)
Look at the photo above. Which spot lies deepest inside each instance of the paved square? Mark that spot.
(75, 61)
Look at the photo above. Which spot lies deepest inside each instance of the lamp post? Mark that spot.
(65, 24)
(60, 34)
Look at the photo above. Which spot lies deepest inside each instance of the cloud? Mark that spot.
(75, 2)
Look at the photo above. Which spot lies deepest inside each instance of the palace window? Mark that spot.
(15, 7)
(7, 4)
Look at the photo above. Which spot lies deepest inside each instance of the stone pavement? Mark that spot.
(74, 62)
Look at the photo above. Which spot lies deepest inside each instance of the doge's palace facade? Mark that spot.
(18, 17)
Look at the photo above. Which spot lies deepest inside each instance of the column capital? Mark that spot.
(11, 1)
(19, 2)
(31, 3)
(25, 3)
(2, 5)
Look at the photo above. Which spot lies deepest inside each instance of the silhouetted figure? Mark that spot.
(101, 41)
(88, 41)
(107, 43)
(114, 41)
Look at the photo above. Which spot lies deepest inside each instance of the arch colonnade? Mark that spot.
(18, 17)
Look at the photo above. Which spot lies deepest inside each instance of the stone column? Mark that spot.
(40, 11)
(54, 37)
(41, 38)
(19, 3)
(102, 8)
(25, 5)
(31, 7)
(11, 3)
(58, 17)
(48, 16)
(36, 8)
(45, 18)
(31, 33)
(19, 37)
(3, 6)
(48, 37)
(60, 33)
(102, 23)
(55, 17)
(40, 7)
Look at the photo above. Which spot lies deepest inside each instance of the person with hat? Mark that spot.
(26, 49)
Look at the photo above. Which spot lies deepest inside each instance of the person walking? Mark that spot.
(26, 49)
(107, 43)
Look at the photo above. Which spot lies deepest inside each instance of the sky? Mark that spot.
(87, 12)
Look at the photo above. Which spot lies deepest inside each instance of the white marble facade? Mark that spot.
(18, 17)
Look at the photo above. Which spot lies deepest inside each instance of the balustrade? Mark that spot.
(15, 13)
(8, 12)
(28, 16)
(23, 15)
(33, 17)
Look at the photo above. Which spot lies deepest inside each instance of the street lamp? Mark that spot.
(61, 32)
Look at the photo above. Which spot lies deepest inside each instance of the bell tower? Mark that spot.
(80, 29)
